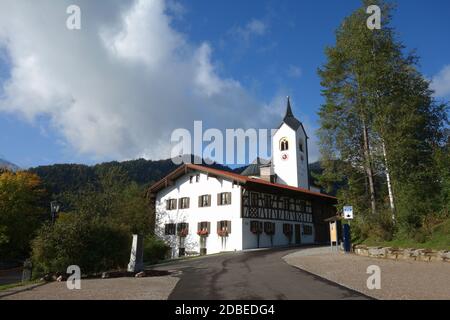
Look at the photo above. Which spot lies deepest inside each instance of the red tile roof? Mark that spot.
(234, 176)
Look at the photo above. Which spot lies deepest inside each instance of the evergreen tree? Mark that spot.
(380, 121)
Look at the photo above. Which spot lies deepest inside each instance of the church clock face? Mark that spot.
(284, 156)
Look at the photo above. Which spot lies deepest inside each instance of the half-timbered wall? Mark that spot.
(257, 205)
(279, 209)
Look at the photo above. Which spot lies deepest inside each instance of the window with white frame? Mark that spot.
(204, 201)
(171, 204)
(223, 198)
(169, 229)
(184, 203)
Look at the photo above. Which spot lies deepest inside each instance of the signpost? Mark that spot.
(348, 215)
(348, 212)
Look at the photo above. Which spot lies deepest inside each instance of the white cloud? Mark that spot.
(253, 28)
(120, 85)
(256, 27)
(294, 71)
(441, 82)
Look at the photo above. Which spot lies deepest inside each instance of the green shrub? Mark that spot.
(155, 249)
(92, 244)
(420, 236)
(378, 227)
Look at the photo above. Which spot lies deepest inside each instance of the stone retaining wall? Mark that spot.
(402, 254)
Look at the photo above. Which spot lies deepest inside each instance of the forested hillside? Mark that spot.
(63, 178)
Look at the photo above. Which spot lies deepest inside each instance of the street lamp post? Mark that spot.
(54, 208)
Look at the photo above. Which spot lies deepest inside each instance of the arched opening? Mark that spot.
(284, 145)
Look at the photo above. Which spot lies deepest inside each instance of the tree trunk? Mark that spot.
(389, 185)
(368, 167)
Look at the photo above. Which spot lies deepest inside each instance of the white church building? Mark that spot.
(203, 210)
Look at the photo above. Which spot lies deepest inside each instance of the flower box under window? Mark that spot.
(256, 227)
(223, 228)
(269, 228)
(182, 229)
(287, 229)
(203, 229)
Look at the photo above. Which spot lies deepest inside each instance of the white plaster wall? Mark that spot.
(250, 240)
(286, 170)
(302, 171)
(193, 215)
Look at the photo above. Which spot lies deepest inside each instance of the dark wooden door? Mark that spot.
(297, 234)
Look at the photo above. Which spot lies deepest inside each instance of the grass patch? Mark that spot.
(438, 240)
(18, 284)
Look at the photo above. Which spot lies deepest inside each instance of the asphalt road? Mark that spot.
(251, 275)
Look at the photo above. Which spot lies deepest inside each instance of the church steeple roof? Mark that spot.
(289, 118)
(288, 109)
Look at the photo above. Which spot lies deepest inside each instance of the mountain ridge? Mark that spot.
(5, 164)
(61, 178)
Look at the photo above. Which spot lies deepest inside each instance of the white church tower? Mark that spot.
(290, 152)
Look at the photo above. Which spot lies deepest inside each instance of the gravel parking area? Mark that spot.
(150, 288)
(399, 279)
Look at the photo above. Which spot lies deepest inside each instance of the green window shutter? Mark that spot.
(229, 226)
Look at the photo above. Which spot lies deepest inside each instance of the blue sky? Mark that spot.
(270, 48)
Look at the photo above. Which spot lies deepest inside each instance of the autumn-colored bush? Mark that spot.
(23, 205)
